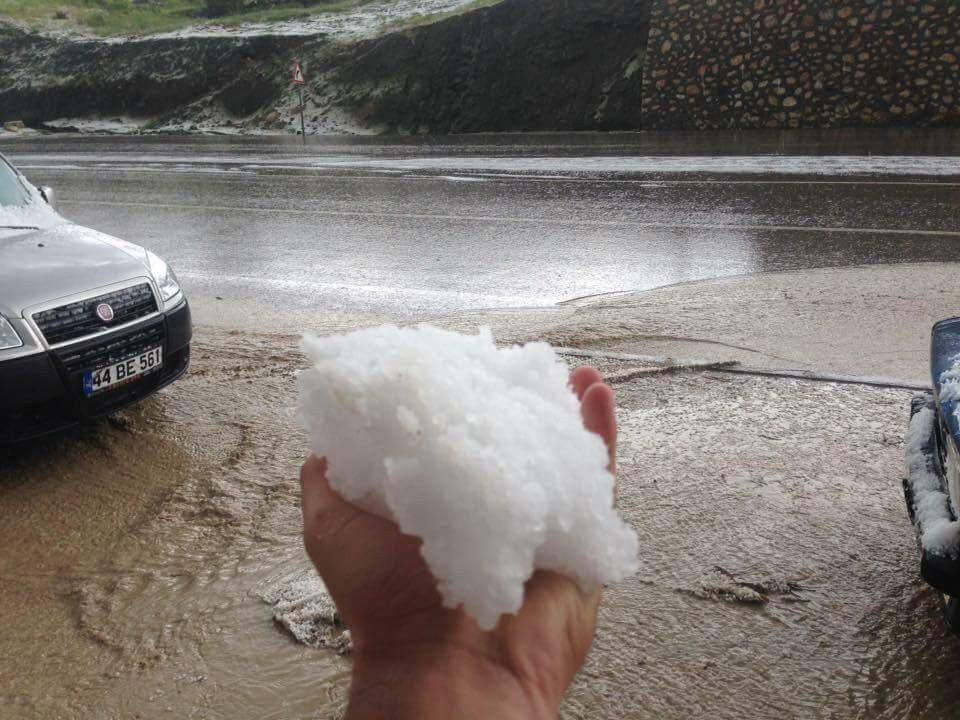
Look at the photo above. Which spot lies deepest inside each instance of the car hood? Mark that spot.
(37, 266)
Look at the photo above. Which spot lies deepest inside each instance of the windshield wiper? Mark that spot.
(19, 227)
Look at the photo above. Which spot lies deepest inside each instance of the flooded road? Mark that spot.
(397, 229)
(152, 541)
(779, 575)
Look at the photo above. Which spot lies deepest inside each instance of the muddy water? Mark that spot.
(136, 553)
(778, 578)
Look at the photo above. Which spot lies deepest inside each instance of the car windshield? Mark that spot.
(12, 192)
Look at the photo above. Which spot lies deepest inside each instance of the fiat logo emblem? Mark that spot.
(105, 312)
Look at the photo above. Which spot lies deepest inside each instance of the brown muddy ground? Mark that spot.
(779, 572)
(140, 550)
(779, 578)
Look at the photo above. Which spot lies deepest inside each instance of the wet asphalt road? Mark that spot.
(412, 230)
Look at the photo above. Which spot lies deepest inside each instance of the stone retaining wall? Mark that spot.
(802, 63)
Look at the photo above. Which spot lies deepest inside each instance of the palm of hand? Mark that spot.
(388, 597)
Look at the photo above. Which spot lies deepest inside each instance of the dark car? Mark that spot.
(88, 323)
(932, 486)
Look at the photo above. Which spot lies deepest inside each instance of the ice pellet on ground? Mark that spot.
(479, 451)
(302, 605)
(939, 532)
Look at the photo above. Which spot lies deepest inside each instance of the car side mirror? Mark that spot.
(47, 193)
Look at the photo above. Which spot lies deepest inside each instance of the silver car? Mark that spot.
(88, 323)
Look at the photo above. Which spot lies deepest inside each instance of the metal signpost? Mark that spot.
(299, 80)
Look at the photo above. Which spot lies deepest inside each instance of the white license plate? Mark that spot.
(122, 372)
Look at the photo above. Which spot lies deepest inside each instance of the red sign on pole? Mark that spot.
(298, 78)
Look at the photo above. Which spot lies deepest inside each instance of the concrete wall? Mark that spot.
(802, 63)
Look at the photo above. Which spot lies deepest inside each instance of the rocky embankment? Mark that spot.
(519, 65)
(802, 63)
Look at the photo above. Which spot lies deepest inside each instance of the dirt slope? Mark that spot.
(518, 65)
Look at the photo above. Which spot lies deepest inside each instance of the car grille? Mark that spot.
(79, 319)
(90, 356)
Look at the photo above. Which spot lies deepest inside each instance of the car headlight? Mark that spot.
(8, 336)
(165, 278)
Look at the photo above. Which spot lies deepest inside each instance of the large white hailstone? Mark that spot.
(480, 452)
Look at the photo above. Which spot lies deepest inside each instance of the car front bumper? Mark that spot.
(941, 571)
(42, 393)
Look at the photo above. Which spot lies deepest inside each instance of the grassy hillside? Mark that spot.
(133, 17)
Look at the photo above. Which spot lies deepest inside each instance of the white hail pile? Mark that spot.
(950, 384)
(36, 213)
(939, 533)
(302, 605)
(479, 451)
